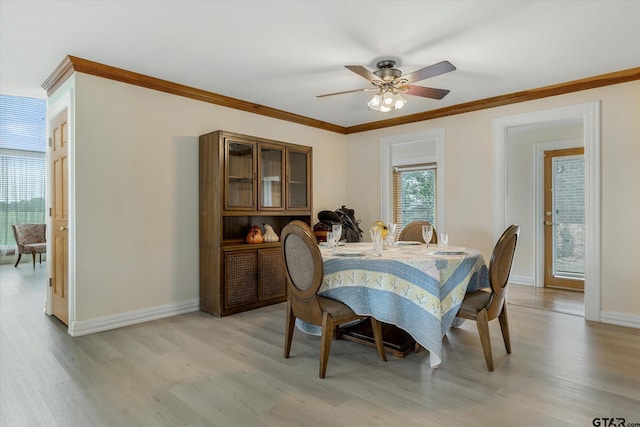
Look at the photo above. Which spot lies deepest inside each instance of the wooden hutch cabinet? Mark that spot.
(246, 181)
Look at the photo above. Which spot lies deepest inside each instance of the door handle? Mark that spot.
(62, 228)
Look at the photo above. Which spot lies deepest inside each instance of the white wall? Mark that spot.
(136, 174)
(137, 202)
(470, 180)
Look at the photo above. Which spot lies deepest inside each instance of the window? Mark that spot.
(22, 164)
(414, 193)
(422, 153)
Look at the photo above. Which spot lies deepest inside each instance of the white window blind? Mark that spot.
(22, 164)
(414, 194)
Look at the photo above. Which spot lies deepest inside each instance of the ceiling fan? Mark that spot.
(390, 84)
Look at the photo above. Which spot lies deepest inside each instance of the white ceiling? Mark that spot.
(282, 54)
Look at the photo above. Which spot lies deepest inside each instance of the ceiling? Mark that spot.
(282, 54)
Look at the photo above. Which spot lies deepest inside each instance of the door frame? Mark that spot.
(53, 109)
(589, 114)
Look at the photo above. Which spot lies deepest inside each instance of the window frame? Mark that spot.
(435, 138)
(397, 173)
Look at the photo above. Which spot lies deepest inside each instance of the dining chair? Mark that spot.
(30, 239)
(485, 305)
(412, 232)
(304, 272)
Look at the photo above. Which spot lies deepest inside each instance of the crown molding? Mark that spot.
(73, 63)
(70, 64)
(512, 98)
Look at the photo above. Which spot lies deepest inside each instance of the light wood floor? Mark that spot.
(560, 300)
(198, 370)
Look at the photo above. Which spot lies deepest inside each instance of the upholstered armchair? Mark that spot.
(31, 239)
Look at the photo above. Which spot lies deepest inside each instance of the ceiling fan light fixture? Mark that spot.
(387, 98)
(399, 101)
(375, 102)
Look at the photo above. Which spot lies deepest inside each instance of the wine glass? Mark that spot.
(336, 229)
(376, 239)
(391, 233)
(427, 233)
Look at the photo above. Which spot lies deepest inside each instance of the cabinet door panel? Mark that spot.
(298, 181)
(271, 167)
(241, 278)
(271, 276)
(240, 191)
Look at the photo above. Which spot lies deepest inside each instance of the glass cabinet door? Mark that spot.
(299, 170)
(271, 167)
(240, 175)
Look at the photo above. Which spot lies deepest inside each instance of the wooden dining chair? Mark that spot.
(304, 273)
(484, 305)
(412, 232)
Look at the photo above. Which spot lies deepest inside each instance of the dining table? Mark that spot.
(417, 287)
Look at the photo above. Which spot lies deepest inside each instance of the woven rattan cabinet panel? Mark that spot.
(241, 278)
(246, 181)
(273, 282)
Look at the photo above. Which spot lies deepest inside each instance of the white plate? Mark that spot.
(349, 254)
(407, 243)
(448, 253)
(323, 244)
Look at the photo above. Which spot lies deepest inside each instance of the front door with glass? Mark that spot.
(564, 218)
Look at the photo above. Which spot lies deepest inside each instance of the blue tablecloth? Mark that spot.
(417, 289)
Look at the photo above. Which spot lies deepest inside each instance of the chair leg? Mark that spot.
(40, 258)
(325, 343)
(33, 255)
(288, 333)
(18, 261)
(504, 326)
(376, 326)
(482, 322)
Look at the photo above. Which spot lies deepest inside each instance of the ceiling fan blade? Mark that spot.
(427, 92)
(362, 72)
(430, 71)
(346, 91)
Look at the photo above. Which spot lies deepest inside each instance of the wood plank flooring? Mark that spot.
(198, 370)
(560, 300)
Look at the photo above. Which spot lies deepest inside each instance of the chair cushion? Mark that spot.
(36, 247)
(334, 308)
(474, 302)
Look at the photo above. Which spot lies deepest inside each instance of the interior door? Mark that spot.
(59, 168)
(564, 218)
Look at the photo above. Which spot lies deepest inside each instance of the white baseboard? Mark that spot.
(85, 327)
(620, 319)
(521, 280)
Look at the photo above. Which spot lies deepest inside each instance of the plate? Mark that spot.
(324, 244)
(407, 243)
(448, 253)
(349, 254)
